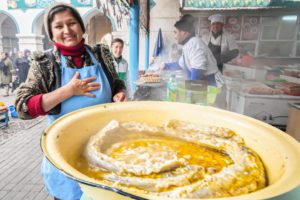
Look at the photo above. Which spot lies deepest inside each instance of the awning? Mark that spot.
(237, 4)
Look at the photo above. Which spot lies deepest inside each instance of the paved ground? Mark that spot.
(20, 158)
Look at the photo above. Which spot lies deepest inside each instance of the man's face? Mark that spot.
(180, 35)
(216, 27)
(21, 54)
(117, 49)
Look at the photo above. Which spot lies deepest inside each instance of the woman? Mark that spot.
(70, 76)
(196, 59)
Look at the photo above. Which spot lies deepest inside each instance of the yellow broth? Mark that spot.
(193, 154)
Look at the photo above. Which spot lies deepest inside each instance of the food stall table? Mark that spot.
(4, 121)
(272, 109)
(251, 73)
(3, 116)
(150, 91)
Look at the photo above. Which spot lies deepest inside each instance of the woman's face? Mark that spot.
(66, 30)
(117, 49)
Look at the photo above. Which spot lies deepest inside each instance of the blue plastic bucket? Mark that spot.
(12, 111)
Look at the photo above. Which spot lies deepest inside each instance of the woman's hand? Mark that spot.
(82, 87)
(120, 96)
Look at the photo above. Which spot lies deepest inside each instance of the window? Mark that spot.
(278, 35)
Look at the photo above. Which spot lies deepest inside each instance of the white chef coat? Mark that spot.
(197, 55)
(122, 66)
(228, 41)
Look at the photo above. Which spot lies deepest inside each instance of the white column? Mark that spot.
(32, 42)
(1, 45)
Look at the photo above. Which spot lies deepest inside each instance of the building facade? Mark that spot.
(21, 23)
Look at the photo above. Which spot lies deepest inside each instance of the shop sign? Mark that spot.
(231, 4)
(28, 4)
(82, 3)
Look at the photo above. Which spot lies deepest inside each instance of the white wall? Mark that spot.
(163, 15)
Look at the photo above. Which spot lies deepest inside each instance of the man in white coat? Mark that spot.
(221, 43)
(196, 59)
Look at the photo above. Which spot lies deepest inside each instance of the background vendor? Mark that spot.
(221, 43)
(196, 60)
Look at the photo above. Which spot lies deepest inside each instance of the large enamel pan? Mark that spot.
(64, 140)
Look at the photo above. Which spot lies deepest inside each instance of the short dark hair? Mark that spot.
(117, 40)
(186, 23)
(57, 8)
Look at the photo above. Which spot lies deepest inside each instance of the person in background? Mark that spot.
(27, 54)
(120, 63)
(6, 71)
(68, 77)
(196, 59)
(22, 66)
(12, 56)
(221, 43)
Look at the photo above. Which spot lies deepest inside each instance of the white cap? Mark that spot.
(216, 18)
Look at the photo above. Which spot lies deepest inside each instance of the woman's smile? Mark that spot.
(66, 29)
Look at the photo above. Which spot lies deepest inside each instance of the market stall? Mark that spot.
(263, 90)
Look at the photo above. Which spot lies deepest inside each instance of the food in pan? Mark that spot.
(177, 160)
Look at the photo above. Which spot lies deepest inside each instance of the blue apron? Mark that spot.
(57, 184)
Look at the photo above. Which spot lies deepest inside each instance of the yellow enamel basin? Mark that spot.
(64, 140)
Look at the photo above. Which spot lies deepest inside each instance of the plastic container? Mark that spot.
(191, 96)
(12, 111)
(206, 97)
(172, 89)
(212, 93)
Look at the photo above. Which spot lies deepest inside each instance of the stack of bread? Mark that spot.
(151, 78)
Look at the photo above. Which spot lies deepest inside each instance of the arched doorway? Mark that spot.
(9, 30)
(47, 44)
(97, 25)
(38, 28)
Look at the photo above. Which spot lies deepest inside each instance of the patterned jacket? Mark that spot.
(44, 76)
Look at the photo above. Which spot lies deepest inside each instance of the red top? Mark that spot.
(34, 103)
(75, 52)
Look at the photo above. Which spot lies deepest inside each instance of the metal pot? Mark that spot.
(64, 140)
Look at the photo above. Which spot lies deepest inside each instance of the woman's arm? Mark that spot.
(38, 82)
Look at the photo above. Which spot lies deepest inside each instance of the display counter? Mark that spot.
(272, 109)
